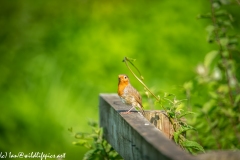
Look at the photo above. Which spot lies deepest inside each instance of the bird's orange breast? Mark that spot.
(121, 87)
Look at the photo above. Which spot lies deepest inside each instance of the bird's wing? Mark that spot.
(137, 96)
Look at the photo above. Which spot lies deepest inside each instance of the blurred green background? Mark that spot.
(57, 56)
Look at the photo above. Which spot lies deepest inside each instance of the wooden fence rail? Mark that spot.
(133, 136)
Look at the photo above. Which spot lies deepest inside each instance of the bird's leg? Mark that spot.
(128, 111)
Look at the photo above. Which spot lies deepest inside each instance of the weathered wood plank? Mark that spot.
(160, 120)
(133, 136)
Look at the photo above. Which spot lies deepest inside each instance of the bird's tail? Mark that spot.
(141, 109)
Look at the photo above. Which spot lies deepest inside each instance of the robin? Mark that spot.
(128, 94)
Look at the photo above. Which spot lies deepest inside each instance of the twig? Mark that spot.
(125, 60)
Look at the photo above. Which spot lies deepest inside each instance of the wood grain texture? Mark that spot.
(160, 121)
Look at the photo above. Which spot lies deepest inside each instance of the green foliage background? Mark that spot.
(57, 56)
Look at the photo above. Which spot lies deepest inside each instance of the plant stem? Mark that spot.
(216, 27)
(125, 60)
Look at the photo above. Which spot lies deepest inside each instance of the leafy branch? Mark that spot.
(98, 147)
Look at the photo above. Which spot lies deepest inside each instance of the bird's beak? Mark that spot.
(119, 77)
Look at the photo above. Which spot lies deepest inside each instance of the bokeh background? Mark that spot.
(57, 56)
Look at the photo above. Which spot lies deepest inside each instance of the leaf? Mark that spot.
(209, 58)
(224, 42)
(216, 5)
(204, 16)
(221, 12)
(179, 107)
(81, 142)
(170, 114)
(79, 135)
(229, 112)
(97, 130)
(178, 102)
(210, 29)
(92, 123)
(213, 95)
(223, 89)
(209, 106)
(167, 94)
(177, 134)
(90, 155)
(70, 129)
(233, 40)
(192, 144)
(186, 113)
(217, 74)
(130, 59)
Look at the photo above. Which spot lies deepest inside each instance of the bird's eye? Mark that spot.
(125, 77)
